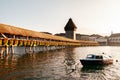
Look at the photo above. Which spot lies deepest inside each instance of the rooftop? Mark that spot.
(70, 26)
(115, 35)
(8, 29)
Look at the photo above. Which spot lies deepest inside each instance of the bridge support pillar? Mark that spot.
(12, 49)
(6, 50)
(2, 50)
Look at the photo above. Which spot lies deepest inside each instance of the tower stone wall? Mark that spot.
(70, 34)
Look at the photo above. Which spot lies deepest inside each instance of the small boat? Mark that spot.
(96, 59)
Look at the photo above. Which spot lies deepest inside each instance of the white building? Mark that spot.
(100, 39)
(103, 41)
(114, 39)
(94, 37)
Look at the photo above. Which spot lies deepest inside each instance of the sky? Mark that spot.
(90, 16)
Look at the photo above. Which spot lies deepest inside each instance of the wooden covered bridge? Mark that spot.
(12, 37)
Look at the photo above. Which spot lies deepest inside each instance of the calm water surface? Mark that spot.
(59, 65)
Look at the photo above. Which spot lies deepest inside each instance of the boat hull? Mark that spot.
(85, 62)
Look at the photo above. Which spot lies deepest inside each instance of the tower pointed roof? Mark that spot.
(70, 26)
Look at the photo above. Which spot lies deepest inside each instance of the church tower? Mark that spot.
(70, 30)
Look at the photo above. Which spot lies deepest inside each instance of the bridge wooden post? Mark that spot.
(30, 49)
(33, 49)
(2, 51)
(6, 50)
(12, 49)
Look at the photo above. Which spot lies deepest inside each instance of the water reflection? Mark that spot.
(71, 65)
(58, 65)
(92, 73)
(92, 68)
(7, 65)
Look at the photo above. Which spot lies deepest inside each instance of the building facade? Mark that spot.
(103, 41)
(82, 37)
(114, 39)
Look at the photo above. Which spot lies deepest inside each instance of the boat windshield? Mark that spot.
(91, 56)
(99, 57)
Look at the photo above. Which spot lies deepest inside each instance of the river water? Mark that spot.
(59, 65)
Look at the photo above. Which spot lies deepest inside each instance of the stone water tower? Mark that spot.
(70, 29)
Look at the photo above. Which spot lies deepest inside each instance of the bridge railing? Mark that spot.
(23, 42)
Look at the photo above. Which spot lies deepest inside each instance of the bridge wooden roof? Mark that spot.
(24, 32)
